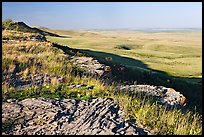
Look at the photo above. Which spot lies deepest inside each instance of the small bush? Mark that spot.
(124, 47)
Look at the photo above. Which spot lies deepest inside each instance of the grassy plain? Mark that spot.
(176, 53)
(46, 58)
(177, 56)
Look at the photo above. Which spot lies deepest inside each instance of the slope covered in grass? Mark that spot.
(21, 26)
(171, 59)
(27, 59)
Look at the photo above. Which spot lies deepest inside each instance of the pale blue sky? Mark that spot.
(105, 15)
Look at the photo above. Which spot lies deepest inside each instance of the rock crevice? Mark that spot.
(67, 117)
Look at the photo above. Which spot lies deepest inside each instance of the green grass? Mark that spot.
(58, 91)
(158, 50)
(45, 57)
(160, 120)
(142, 109)
(175, 56)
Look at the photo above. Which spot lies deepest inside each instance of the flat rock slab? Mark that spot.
(100, 116)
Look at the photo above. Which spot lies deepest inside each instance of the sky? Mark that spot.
(105, 15)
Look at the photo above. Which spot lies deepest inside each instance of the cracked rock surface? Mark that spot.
(100, 116)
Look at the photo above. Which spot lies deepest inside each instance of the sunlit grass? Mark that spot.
(158, 50)
(35, 57)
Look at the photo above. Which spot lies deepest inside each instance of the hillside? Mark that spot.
(55, 89)
(21, 26)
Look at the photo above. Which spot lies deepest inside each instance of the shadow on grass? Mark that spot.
(128, 71)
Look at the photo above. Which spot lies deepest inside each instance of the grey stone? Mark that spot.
(166, 96)
(47, 116)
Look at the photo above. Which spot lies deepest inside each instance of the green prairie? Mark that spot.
(175, 57)
(176, 53)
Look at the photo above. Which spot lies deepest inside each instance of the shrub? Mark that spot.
(124, 47)
(6, 23)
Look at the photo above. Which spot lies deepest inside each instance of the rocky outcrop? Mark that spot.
(37, 37)
(9, 37)
(166, 96)
(20, 83)
(100, 116)
(92, 67)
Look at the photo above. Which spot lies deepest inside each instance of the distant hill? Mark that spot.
(21, 26)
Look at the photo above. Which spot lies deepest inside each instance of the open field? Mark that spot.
(177, 56)
(176, 53)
